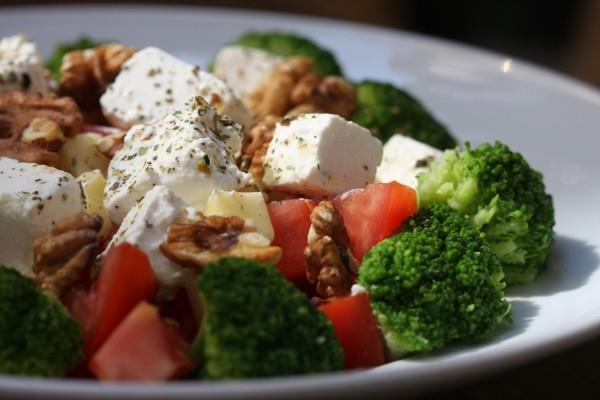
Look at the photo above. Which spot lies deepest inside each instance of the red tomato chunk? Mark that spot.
(126, 278)
(356, 329)
(142, 348)
(374, 213)
(291, 222)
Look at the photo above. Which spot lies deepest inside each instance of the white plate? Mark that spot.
(553, 120)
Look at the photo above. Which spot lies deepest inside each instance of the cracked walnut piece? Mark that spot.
(255, 146)
(293, 88)
(329, 261)
(85, 74)
(61, 256)
(32, 125)
(195, 243)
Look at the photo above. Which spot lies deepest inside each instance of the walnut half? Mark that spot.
(61, 256)
(33, 125)
(85, 74)
(293, 88)
(329, 261)
(195, 243)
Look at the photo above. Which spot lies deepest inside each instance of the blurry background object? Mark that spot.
(560, 34)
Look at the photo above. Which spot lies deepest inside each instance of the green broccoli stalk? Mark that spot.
(37, 334)
(436, 282)
(504, 196)
(256, 323)
(54, 62)
(387, 110)
(289, 45)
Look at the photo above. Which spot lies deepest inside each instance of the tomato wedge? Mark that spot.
(142, 348)
(126, 278)
(374, 213)
(356, 329)
(291, 222)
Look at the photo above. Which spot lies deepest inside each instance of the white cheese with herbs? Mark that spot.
(152, 83)
(243, 68)
(33, 198)
(191, 151)
(403, 159)
(146, 226)
(320, 155)
(21, 66)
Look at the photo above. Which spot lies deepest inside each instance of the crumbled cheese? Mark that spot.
(403, 159)
(152, 83)
(33, 198)
(320, 155)
(146, 226)
(191, 151)
(243, 68)
(21, 66)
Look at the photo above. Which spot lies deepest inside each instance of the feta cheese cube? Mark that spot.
(152, 83)
(21, 66)
(320, 155)
(187, 151)
(403, 159)
(146, 226)
(243, 68)
(33, 198)
(250, 206)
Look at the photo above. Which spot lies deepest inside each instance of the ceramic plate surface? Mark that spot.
(552, 120)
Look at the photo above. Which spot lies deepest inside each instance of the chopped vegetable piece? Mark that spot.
(375, 213)
(504, 196)
(256, 324)
(37, 335)
(126, 278)
(387, 110)
(356, 329)
(291, 222)
(142, 348)
(289, 45)
(436, 282)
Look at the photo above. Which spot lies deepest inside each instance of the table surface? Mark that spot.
(569, 374)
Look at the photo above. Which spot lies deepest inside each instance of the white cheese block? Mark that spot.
(250, 206)
(243, 68)
(146, 226)
(320, 155)
(33, 198)
(152, 83)
(21, 66)
(403, 159)
(186, 151)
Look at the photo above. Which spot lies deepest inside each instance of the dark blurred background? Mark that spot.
(563, 35)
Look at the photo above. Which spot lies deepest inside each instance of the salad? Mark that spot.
(263, 217)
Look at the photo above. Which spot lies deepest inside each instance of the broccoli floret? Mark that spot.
(436, 282)
(289, 45)
(256, 324)
(387, 110)
(37, 335)
(504, 196)
(54, 62)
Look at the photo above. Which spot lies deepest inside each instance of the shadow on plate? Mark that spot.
(522, 312)
(571, 264)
